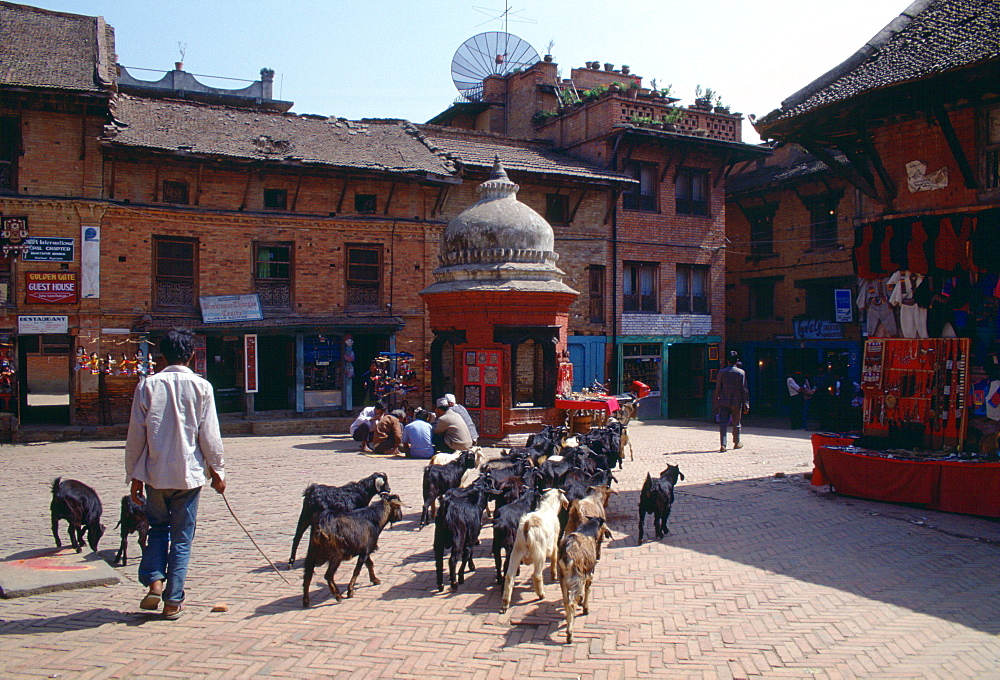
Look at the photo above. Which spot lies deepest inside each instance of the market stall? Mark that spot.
(585, 412)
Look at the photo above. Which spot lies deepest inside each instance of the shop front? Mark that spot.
(680, 372)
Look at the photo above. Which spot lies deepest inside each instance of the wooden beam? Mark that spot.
(956, 147)
(295, 196)
(392, 190)
(197, 190)
(343, 192)
(668, 164)
(848, 172)
(572, 215)
(725, 163)
(612, 204)
(680, 162)
(246, 189)
(157, 184)
(613, 158)
(869, 146)
(114, 168)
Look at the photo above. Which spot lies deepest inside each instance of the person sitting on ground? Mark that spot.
(388, 434)
(363, 427)
(417, 436)
(450, 431)
(461, 410)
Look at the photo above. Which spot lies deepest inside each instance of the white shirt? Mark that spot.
(793, 387)
(367, 416)
(173, 435)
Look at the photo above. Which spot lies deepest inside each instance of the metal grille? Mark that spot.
(359, 295)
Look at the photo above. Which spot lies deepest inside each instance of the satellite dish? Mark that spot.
(490, 53)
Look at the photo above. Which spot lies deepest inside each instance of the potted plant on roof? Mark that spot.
(703, 100)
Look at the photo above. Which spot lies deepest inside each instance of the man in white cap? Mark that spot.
(462, 411)
(450, 431)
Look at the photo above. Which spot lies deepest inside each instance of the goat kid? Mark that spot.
(79, 505)
(131, 520)
(335, 538)
(578, 555)
(337, 500)
(657, 497)
(537, 539)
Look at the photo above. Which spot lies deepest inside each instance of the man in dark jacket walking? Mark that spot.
(732, 400)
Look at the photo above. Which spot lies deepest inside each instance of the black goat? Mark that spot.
(335, 538)
(337, 500)
(79, 505)
(440, 478)
(606, 441)
(657, 497)
(457, 525)
(505, 523)
(131, 520)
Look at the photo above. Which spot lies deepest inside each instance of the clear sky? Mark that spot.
(392, 58)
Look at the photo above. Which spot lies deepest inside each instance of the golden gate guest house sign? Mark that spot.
(223, 308)
(49, 288)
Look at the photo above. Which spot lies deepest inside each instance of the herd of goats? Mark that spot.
(549, 499)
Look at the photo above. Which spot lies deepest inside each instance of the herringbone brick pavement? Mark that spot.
(759, 577)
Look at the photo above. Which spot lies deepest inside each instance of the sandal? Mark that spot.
(151, 602)
(174, 615)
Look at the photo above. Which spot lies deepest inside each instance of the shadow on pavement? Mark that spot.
(83, 620)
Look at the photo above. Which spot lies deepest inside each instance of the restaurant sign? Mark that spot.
(36, 324)
(223, 308)
(50, 288)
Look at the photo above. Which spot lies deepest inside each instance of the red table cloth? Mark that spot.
(609, 405)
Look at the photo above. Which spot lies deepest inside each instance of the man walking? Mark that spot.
(732, 400)
(173, 448)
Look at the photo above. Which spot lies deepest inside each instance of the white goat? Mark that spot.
(537, 540)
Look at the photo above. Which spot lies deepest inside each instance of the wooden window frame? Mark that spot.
(366, 204)
(761, 221)
(362, 283)
(176, 184)
(596, 288)
(759, 290)
(635, 199)
(265, 282)
(690, 206)
(557, 209)
(637, 302)
(158, 278)
(10, 153)
(690, 306)
(269, 196)
(823, 221)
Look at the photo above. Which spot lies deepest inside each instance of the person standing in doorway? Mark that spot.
(732, 400)
(173, 449)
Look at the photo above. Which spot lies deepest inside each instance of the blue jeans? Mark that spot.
(172, 515)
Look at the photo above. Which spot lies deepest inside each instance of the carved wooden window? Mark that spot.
(692, 289)
(175, 192)
(640, 286)
(640, 196)
(596, 287)
(176, 266)
(761, 220)
(364, 276)
(365, 204)
(10, 150)
(276, 199)
(272, 274)
(557, 208)
(691, 192)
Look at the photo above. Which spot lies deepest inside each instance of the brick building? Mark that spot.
(148, 204)
(654, 253)
(790, 225)
(911, 122)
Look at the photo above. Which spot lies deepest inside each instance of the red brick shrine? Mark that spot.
(499, 312)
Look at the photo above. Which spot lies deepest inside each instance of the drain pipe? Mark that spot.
(615, 387)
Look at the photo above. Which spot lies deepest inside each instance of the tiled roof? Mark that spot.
(170, 125)
(929, 38)
(39, 48)
(803, 167)
(479, 153)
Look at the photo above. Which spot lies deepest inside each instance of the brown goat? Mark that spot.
(336, 538)
(592, 505)
(578, 555)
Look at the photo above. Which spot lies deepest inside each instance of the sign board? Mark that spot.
(38, 324)
(90, 262)
(223, 308)
(843, 303)
(250, 363)
(814, 329)
(39, 249)
(49, 288)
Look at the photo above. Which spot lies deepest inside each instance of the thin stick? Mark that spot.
(253, 541)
